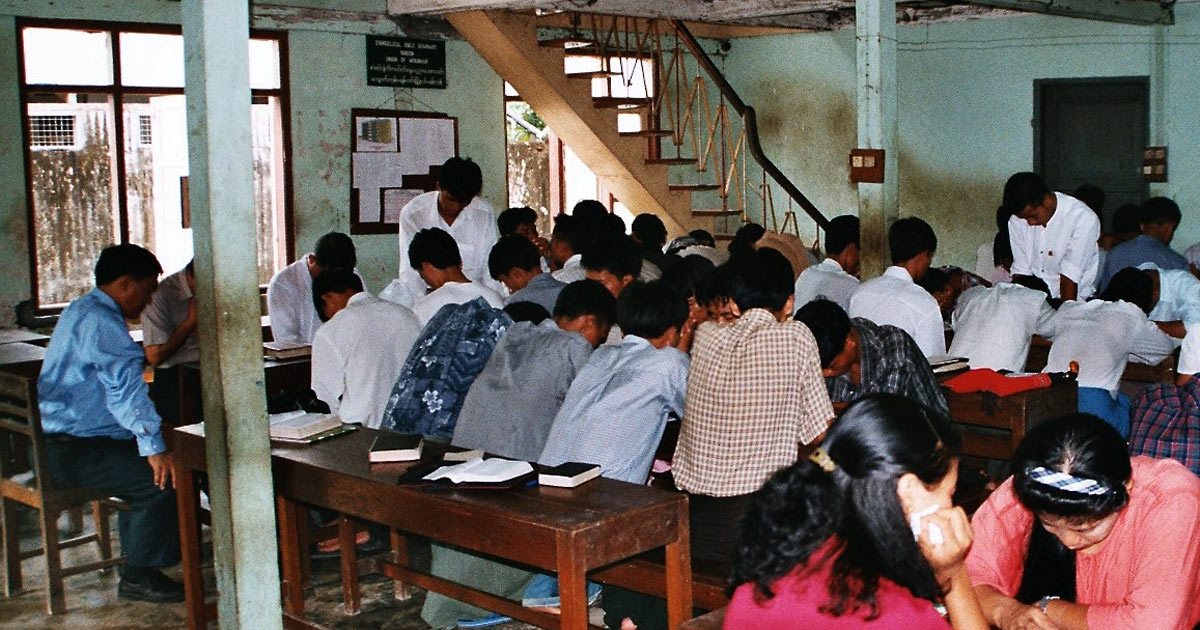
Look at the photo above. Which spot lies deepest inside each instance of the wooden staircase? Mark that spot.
(694, 163)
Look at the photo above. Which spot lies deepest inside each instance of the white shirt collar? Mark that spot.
(898, 272)
(833, 265)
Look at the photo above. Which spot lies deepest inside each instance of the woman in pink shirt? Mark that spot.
(1084, 537)
(862, 534)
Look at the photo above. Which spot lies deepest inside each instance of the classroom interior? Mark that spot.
(968, 93)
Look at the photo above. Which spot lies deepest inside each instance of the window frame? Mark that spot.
(117, 93)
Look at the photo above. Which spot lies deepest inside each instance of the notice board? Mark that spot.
(394, 156)
(406, 62)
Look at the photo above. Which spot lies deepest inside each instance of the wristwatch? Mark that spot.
(1045, 601)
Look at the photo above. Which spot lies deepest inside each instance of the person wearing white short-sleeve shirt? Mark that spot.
(294, 319)
(434, 255)
(456, 208)
(1178, 299)
(360, 348)
(993, 326)
(1053, 236)
(894, 297)
(836, 277)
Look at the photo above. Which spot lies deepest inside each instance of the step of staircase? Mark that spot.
(714, 212)
(564, 42)
(671, 161)
(622, 103)
(593, 74)
(647, 133)
(694, 187)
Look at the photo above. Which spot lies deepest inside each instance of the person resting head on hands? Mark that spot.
(862, 533)
(1083, 536)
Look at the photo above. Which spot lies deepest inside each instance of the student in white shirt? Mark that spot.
(360, 349)
(895, 299)
(1053, 236)
(1102, 335)
(993, 326)
(289, 295)
(566, 249)
(433, 254)
(456, 208)
(836, 277)
(1177, 300)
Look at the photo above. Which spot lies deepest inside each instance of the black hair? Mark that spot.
(190, 268)
(513, 218)
(1131, 285)
(717, 285)
(618, 255)
(335, 280)
(909, 237)
(525, 311)
(571, 231)
(461, 178)
(1023, 190)
(745, 238)
(761, 279)
(1127, 219)
(125, 260)
(1159, 211)
(1032, 282)
(829, 325)
(878, 439)
(649, 309)
(434, 246)
(1002, 216)
(1083, 446)
(513, 251)
(1001, 248)
(335, 249)
(704, 237)
(688, 273)
(613, 225)
(586, 297)
(1092, 195)
(650, 231)
(841, 233)
(934, 280)
(590, 213)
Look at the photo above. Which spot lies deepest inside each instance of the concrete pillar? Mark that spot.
(216, 38)
(878, 204)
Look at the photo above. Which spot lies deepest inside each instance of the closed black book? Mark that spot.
(568, 475)
(396, 447)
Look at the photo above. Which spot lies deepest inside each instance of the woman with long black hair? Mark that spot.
(862, 534)
(1084, 537)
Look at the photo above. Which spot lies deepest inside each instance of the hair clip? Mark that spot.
(1067, 482)
(823, 460)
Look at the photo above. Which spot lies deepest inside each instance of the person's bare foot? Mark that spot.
(549, 610)
(627, 624)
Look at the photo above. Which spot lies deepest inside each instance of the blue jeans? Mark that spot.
(1113, 409)
(543, 591)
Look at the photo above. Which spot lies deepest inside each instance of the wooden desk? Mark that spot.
(566, 531)
(15, 335)
(280, 375)
(22, 358)
(1005, 419)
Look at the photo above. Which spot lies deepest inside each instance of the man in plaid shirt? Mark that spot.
(859, 357)
(1166, 422)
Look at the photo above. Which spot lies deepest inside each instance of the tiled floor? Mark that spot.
(92, 600)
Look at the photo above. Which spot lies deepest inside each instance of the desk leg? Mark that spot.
(289, 551)
(572, 586)
(679, 574)
(400, 557)
(188, 500)
(347, 532)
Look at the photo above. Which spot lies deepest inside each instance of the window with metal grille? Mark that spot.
(145, 135)
(51, 131)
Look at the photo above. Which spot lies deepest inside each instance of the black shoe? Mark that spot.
(153, 586)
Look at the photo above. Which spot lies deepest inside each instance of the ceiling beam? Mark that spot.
(1142, 12)
(428, 7)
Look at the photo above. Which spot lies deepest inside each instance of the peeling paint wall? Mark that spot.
(326, 63)
(966, 107)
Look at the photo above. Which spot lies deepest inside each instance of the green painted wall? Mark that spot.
(966, 106)
(327, 78)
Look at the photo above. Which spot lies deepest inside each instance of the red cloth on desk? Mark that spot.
(987, 380)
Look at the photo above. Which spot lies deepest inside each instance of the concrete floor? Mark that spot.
(92, 597)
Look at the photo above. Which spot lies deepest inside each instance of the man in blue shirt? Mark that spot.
(102, 429)
(1159, 219)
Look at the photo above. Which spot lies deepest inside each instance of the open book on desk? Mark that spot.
(475, 473)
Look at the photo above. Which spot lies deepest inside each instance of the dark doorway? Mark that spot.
(1092, 131)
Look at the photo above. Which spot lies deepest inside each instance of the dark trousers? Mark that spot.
(149, 530)
(716, 526)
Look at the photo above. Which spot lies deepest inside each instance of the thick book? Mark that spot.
(568, 475)
(285, 350)
(298, 425)
(396, 447)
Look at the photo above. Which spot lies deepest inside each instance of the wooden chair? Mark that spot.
(21, 424)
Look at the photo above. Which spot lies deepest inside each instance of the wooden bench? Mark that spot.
(645, 574)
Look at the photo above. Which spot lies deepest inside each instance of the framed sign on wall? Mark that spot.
(394, 156)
